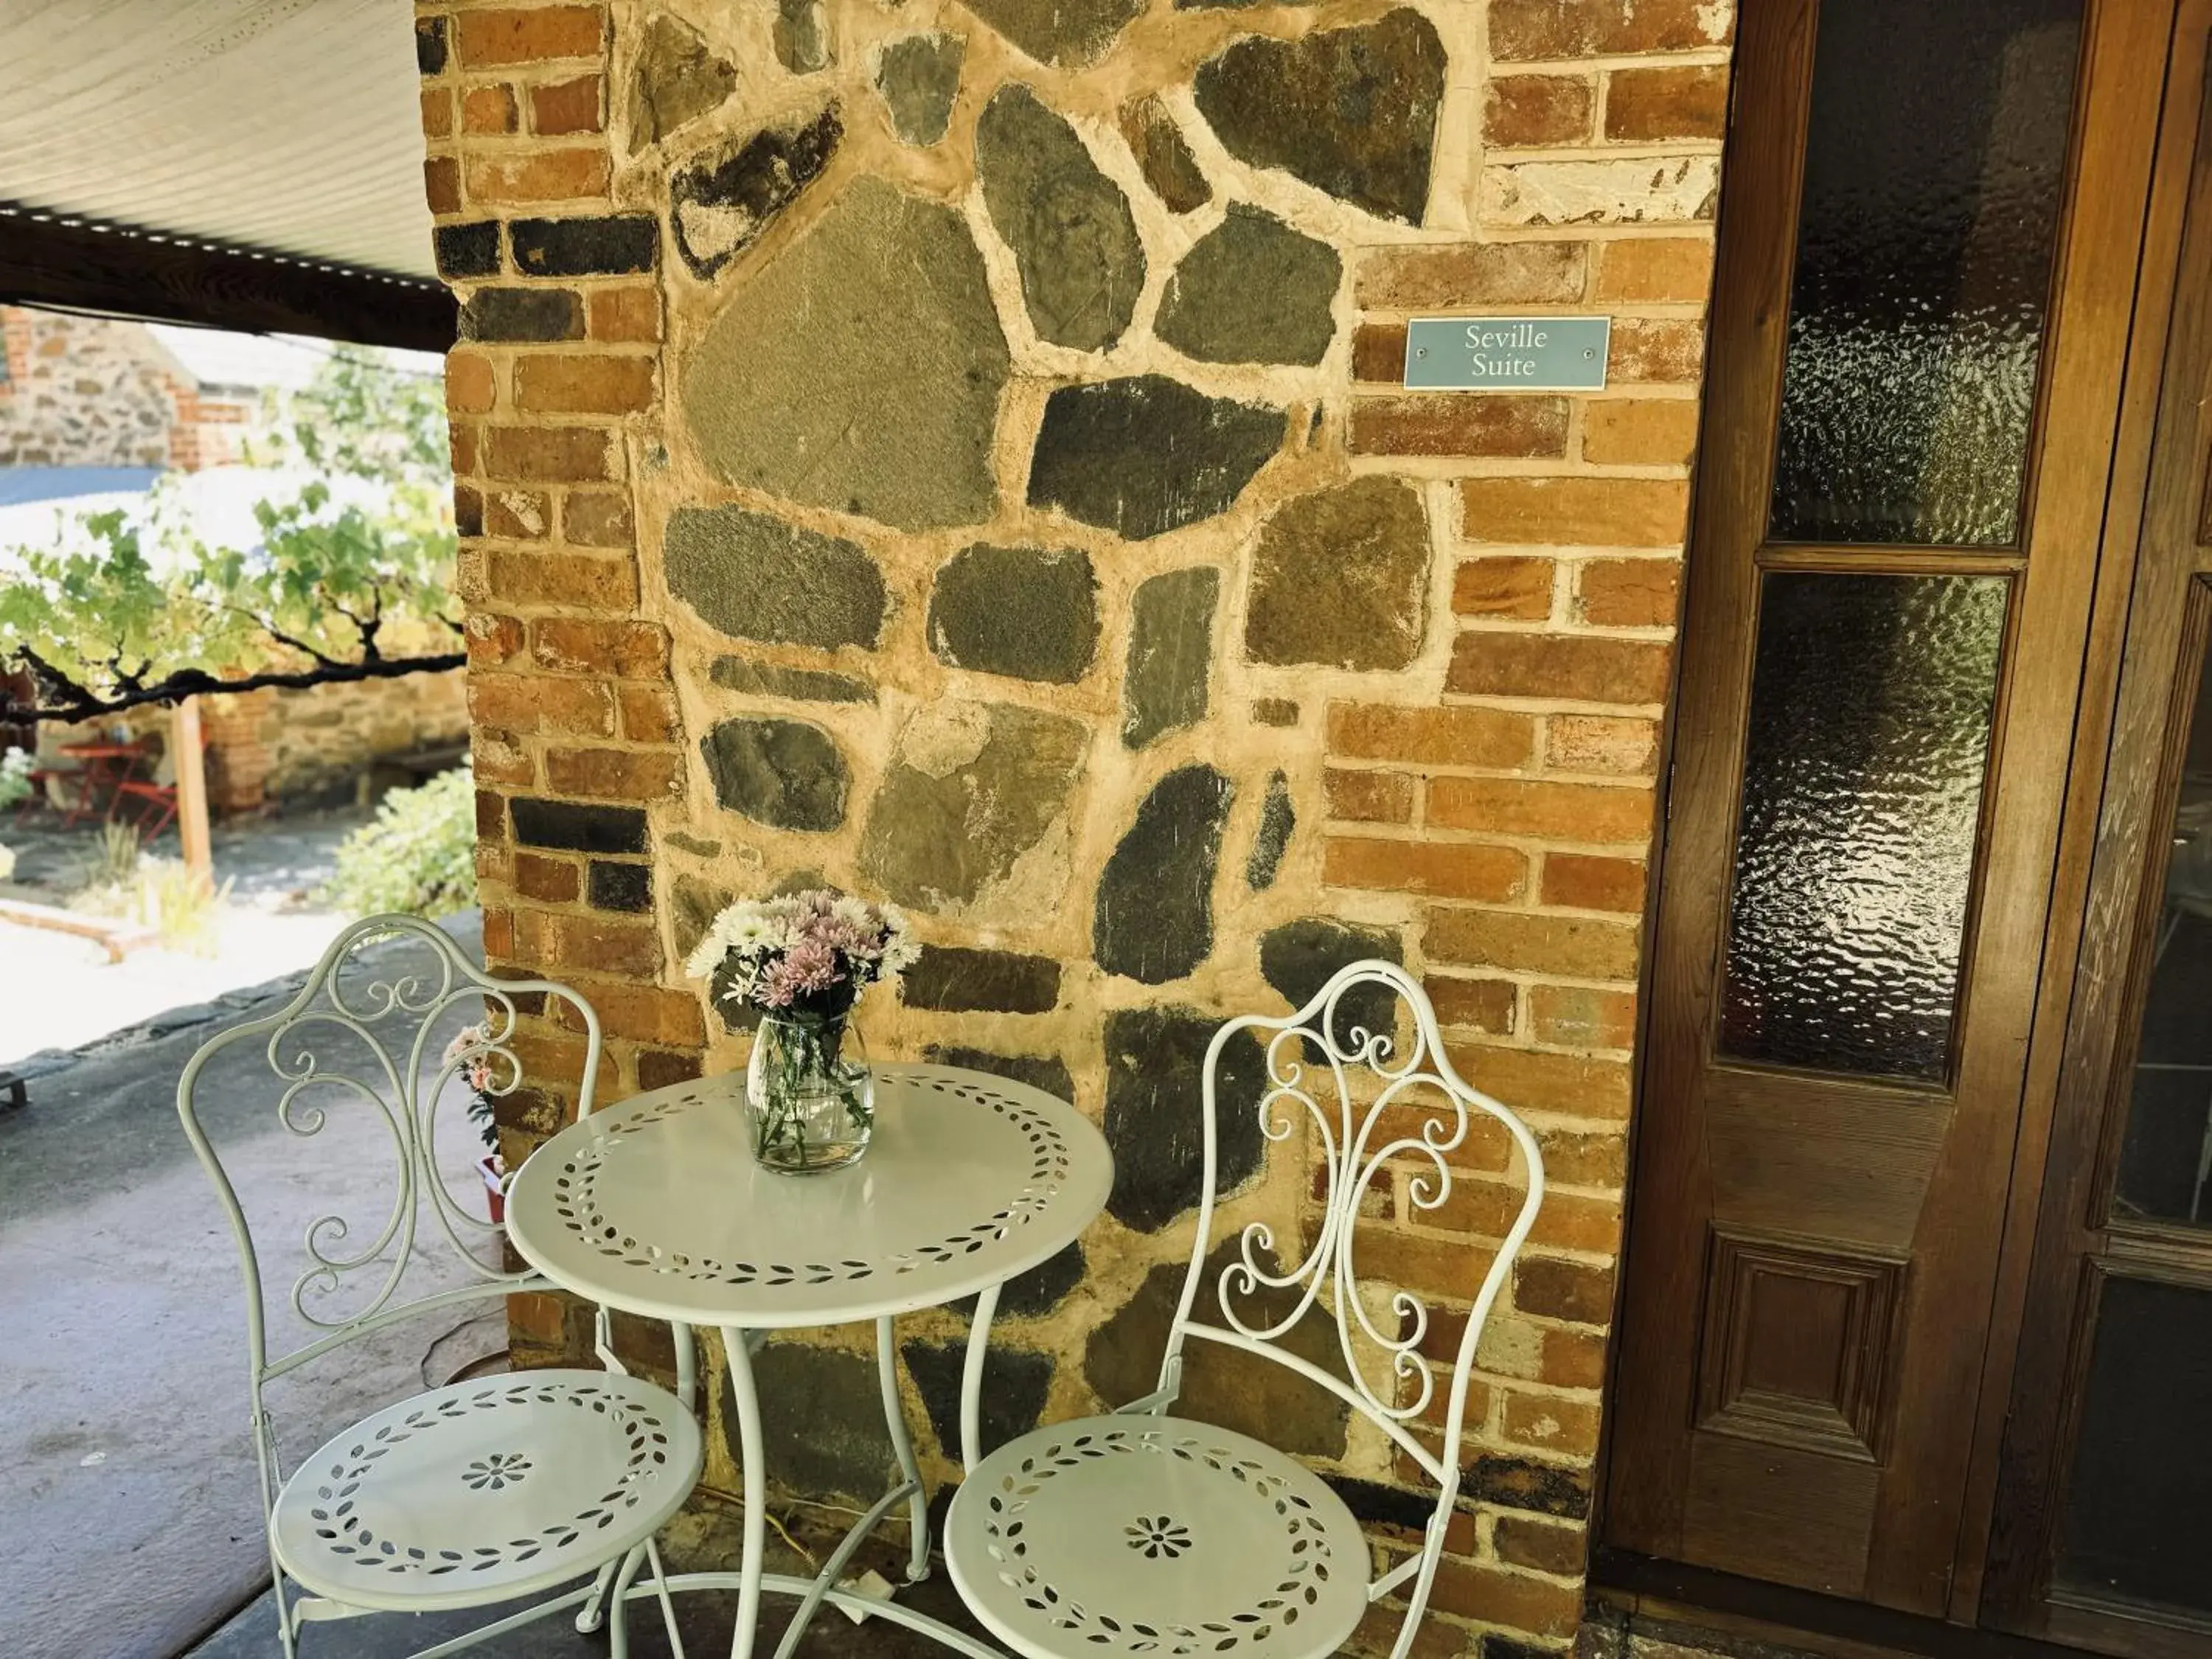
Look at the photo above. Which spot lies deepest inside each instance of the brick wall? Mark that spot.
(81, 391)
(1389, 677)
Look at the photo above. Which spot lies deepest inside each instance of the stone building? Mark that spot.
(965, 453)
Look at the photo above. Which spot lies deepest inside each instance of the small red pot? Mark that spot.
(495, 1181)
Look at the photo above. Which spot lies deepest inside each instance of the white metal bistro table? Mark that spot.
(656, 1206)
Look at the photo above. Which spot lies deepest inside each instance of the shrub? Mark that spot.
(15, 778)
(161, 894)
(418, 856)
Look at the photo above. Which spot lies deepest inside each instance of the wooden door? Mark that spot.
(2103, 1529)
(1931, 225)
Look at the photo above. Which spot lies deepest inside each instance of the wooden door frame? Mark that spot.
(2097, 968)
(2130, 201)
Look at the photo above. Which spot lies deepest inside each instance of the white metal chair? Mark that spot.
(480, 1492)
(1140, 1532)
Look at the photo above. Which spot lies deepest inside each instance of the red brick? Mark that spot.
(1516, 588)
(1584, 1158)
(542, 175)
(596, 518)
(1449, 1267)
(528, 703)
(499, 757)
(441, 183)
(566, 106)
(560, 384)
(1586, 512)
(1601, 742)
(1575, 947)
(491, 815)
(1471, 273)
(1566, 1221)
(437, 112)
(546, 940)
(1573, 1360)
(1627, 592)
(1569, 1291)
(623, 314)
(627, 650)
(1575, 881)
(1367, 797)
(1664, 350)
(1378, 353)
(528, 34)
(1447, 423)
(658, 1070)
(1551, 1423)
(1640, 431)
(649, 713)
(1436, 737)
(1582, 1016)
(1487, 1005)
(1520, 111)
(1439, 869)
(1533, 1079)
(539, 1316)
(1523, 1541)
(1497, 1595)
(519, 515)
(614, 773)
(596, 582)
(498, 932)
(546, 454)
(462, 439)
(1530, 31)
(493, 640)
(1674, 101)
(1655, 270)
(469, 386)
(547, 880)
(490, 108)
(1571, 667)
(648, 1013)
(1525, 807)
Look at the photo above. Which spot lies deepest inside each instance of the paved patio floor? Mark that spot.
(130, 1525)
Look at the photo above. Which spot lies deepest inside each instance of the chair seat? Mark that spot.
(1156, 1535)
(484, 1490)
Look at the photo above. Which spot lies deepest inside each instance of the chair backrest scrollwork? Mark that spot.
(1371, 1107)
(381, 1003)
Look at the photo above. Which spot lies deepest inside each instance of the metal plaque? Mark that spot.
(1507, 353)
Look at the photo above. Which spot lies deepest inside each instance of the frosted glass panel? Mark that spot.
(2166, 1159)
(1933, 170)
(1868, 735)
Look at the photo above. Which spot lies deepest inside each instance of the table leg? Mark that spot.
(753, 1468)
(917, 1503)
(971, 1380)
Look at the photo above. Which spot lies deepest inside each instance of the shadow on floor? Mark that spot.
(704, 1619)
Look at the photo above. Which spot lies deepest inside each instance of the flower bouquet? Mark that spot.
(802, 961)
(472, 1048)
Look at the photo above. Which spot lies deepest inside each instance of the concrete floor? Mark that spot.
(58, 992)
(704, 1619)
(130, 1525)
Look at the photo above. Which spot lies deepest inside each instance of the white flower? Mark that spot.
(745, 927)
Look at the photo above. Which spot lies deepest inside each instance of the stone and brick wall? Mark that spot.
(958, 452)
(81, 391)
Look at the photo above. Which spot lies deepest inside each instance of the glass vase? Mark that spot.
(809, 1099)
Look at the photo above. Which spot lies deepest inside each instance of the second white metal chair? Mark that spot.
(479, 1492)
(1144, 1533)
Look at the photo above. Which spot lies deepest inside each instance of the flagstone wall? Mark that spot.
(958, 452)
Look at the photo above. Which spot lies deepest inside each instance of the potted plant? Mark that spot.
(804, 961)
(471, 1053)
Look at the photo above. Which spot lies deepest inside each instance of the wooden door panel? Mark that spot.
(1812, 1254)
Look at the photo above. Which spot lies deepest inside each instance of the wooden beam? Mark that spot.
(185, 744)
(50, 260)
